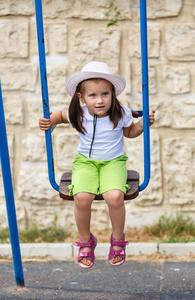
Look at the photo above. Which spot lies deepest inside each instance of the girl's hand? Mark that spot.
(152, 117)
(44, 124)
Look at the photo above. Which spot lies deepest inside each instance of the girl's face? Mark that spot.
(97, 95)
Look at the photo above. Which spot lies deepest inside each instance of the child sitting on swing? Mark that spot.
(99, 166)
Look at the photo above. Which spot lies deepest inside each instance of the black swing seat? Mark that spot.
(132, 181)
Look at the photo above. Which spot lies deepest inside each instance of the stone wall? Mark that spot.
(76, 33)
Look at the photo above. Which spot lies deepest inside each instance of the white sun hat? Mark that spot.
(95, 69)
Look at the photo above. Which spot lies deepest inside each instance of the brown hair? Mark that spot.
(75, 111)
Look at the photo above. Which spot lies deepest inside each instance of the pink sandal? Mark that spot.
(113, 253)
(89, 254)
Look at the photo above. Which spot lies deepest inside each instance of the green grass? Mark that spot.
(35, 235)
(173, 229)
(167, 230)
(4, 236)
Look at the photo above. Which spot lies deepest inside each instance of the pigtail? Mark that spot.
(76, 113)
(116, 111)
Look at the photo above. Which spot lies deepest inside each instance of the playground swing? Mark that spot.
(133, 176)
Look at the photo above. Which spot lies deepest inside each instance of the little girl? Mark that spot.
(100, 165)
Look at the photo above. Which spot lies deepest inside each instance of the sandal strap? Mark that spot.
(121, 243)
(121, 252)
(89, 255)
(114, 253)
(81, 244)
(90, 244)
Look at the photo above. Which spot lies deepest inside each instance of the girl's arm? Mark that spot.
(58, 117)
(135, 129)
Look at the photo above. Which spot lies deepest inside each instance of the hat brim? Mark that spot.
(73, 80)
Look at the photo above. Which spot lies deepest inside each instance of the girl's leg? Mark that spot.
(116, 206)
(82, 210)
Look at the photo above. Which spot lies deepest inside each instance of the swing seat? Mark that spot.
(132, 181)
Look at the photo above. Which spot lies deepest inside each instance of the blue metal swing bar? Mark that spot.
(9, 197)
(145, 92)
(45, 96)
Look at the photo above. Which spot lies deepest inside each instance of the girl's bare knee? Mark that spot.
(83, 200)
(114, 198)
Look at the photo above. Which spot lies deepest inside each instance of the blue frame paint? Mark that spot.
(9, 197)
(45, 96)
(145, 92)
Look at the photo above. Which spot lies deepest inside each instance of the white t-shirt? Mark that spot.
(108, 142)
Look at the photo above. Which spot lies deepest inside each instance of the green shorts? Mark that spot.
(97, 176)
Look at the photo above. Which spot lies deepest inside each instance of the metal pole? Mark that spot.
(145, 93)
(9, 197)
(45, 97)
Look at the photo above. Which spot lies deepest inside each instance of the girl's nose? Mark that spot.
(99, 100)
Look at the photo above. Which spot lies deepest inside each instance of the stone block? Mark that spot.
(59, 102)
(56, 76)
(25, 8)
(141, 248)
(142, 216)
(11, 148)
(3, 210)
(177, 249)
(153, 42)
(94, 44)
(171, 111)
(164, 110)
(179, 170)
(55, 38)
(1, 185)
(11, 145)
(177, 80)
(56, 250)
(152, 195)
(34, 110)
(65, 151)
(127, 90)
(61, 8)
(18, 76)
(102, 249)
(33, 44)
(20, 212)
(65, 215)
(163, 9)
(83, 9)
(33, 184)
(58, 38)
(180, 42)
(14, 110)
(6, 250)
(14, 38)
(57, 211)
(33, 147)
(138, 79)
(176, 112)
(99, 215)
(183, 112)
(34, 107)
(97, 10)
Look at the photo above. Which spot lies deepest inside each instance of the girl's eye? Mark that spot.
(92, 95)
(105, 94)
